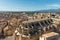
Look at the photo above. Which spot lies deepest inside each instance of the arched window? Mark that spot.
(49, 21)
(46, 22)
(42, 23)
(37, 24)
(30, 26)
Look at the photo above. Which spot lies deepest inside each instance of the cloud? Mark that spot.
(54, 6)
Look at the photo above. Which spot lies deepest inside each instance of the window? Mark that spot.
(37, 24)
(49, 21)
(46, 23)
(29, 25)
(26, 26)
(42, 23)
(32, 24)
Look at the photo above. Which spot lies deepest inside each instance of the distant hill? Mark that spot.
(31, 12)
(49, 10)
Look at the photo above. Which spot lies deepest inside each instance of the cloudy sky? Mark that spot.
(28, 5)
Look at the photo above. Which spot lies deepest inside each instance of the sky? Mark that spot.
(28, 5)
